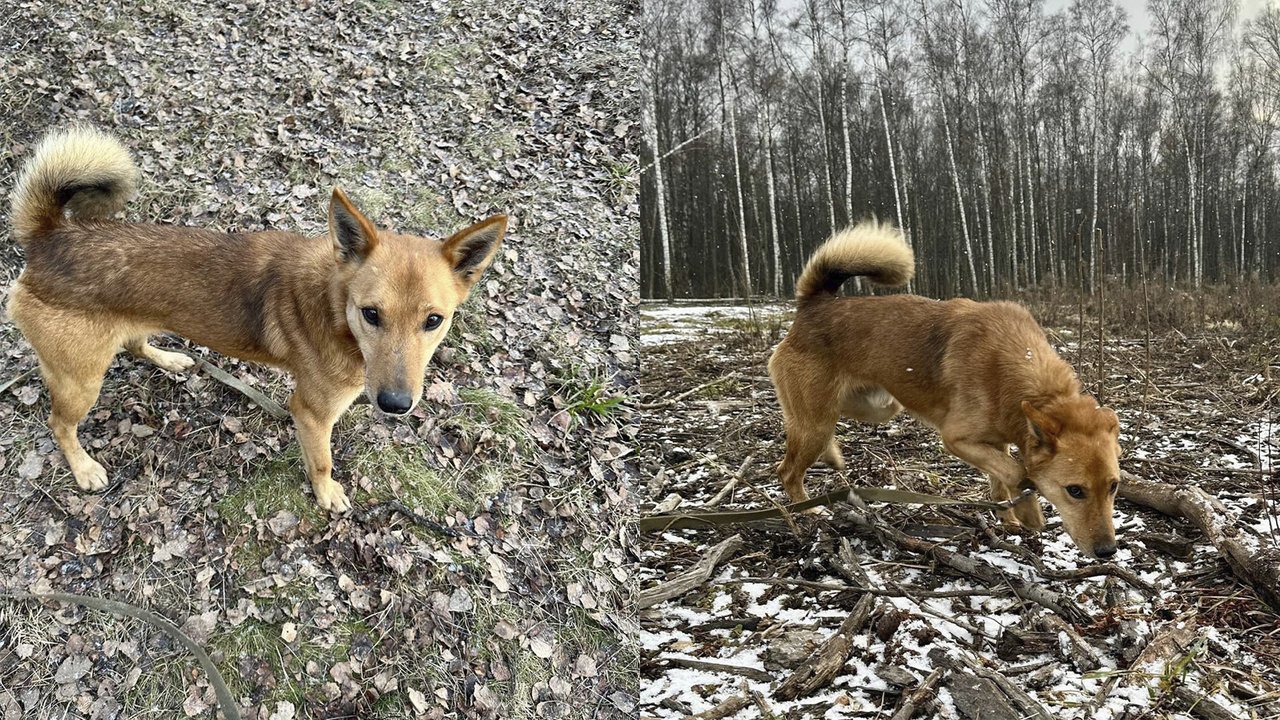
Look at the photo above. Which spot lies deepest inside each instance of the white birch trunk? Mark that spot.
(742, 215)
(826, 157)
(986, 200)
(1032, 242)
(848, 146)
(661, 192)
(893, 166)
(775, 241)
(955, 178)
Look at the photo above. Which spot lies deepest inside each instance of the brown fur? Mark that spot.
(982, 374)
(93, 285)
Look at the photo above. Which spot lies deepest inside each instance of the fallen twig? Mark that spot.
(896, 591)
(864, 519)
(395, 506)
(1207, 470)
(673, 400)
(922, 694)
(226, 703)
(733, 482)
(273, 408)
(17, 378)
(691, 578)
(694, 664)
(1043, 570)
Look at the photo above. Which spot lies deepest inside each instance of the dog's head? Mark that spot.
(401, 292)
(1073, 460)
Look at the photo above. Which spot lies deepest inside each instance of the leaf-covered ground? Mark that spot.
(431, 115)
(1198, 404)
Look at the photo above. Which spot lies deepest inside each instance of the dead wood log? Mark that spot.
(730, 707)
(821, 667)
(1199, 704)
(693, 577)
(918, 697)
(978, 698)
(1083, 656)
(981, 693)
(1029, 708)
(1249, 556)
(1171, 642)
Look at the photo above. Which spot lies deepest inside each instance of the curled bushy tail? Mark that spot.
(80, 170)
(871, 249)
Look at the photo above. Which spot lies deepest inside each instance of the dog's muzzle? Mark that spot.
(394, 402)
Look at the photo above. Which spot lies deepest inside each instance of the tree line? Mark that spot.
(1016, 147)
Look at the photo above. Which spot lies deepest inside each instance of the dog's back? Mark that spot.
(928, 354)
(209, 286)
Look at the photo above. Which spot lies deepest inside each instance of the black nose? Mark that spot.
(395, 402)
(1104, 551)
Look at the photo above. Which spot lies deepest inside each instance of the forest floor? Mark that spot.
(1197, 403)
(431, 116)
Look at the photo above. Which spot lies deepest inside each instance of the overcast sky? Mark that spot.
(1135, 10)
(1139, 21)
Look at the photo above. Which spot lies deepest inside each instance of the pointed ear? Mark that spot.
(1044, 426)
(471, 250)
(353, 236)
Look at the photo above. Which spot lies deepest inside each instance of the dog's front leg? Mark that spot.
(315, 410)
(1006, 474)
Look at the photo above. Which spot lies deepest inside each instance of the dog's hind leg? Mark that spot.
(172, 361)
(809, 417)
(74, 352)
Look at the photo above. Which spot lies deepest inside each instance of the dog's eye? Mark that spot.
(1075, 491)
(371, 315)
(433, 321)
(1115, 485)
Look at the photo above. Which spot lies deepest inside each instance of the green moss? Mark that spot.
(484, 409)
(261, 642)
(402, 473)
(280, 484)
(371, 202)
(431, 212)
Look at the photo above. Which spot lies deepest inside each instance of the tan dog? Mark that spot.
(363, 309)
(982, 374)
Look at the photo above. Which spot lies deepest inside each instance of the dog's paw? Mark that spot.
(1030, 514)
(330, 496)
(172, 361)
(90, 475)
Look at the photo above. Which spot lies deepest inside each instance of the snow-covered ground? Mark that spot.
(665, 324)
(750, 625)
